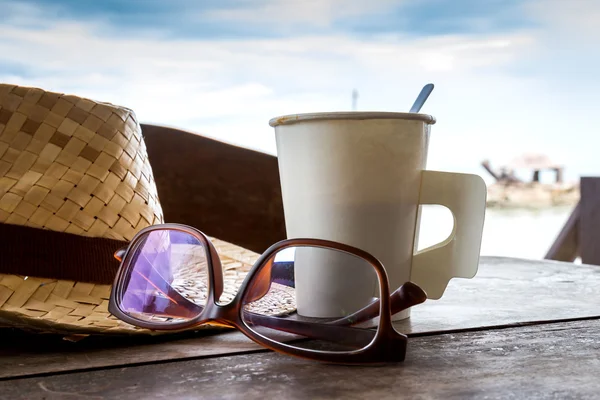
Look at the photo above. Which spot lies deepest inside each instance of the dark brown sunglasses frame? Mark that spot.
(386, 345)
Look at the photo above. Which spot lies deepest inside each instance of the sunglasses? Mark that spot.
(171, 278)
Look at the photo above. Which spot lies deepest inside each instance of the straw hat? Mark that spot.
(76, 184)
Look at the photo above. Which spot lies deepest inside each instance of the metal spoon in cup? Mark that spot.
(425, 92)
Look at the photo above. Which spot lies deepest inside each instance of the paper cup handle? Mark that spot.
(458, 256)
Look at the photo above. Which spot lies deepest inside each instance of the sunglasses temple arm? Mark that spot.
(313, 330)
(340, 331)
(405, 296)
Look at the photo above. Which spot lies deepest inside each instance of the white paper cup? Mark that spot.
(359, 178)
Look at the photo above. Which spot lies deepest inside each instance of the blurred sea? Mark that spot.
(513, 233)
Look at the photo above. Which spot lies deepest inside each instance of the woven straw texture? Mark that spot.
(75, 165)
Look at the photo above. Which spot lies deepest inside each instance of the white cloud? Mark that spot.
(235, 77)
(578, 19)
(229, 89)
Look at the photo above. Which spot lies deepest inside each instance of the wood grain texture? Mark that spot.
(589, 225)
(229, 192)
(558, 361)
(508, 291)
(505, 292)
(30, 354)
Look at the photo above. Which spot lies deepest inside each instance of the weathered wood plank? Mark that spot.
(508, 291)
(27, 354)
(559, 360)
(505, 291)
(566, 244)
(589, 234)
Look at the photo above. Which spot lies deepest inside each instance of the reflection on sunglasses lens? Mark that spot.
(167, 279)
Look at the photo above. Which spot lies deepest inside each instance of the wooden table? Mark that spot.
(519, 329)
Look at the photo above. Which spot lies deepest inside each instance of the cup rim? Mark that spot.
(350, 115)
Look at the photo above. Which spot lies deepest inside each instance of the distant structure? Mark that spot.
(354, 99)
(537, 163)
(511, 192)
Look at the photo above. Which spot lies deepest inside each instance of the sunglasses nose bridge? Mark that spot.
(222, 312)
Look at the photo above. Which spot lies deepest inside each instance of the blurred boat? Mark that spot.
(509, 191)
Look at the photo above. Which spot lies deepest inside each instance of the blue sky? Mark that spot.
(216, 19)
(511, 76)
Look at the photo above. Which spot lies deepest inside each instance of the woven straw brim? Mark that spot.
(66, 307)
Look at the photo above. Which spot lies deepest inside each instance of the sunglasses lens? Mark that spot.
(313, 298)
(167, 279)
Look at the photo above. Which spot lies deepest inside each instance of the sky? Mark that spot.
(510, 76)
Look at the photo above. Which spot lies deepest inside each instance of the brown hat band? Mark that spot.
(57, 255)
